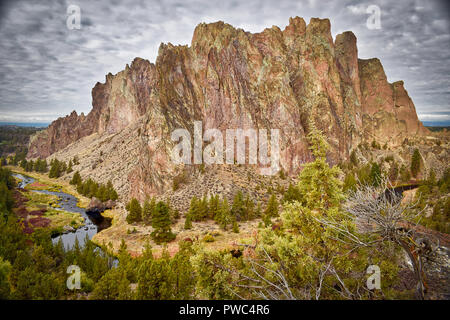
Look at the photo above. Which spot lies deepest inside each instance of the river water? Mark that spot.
(68, 202)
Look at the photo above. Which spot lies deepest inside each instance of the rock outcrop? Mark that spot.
(229, 78)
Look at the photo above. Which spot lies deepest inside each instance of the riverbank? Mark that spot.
(50, 184)
(43, 209)
(55, 205)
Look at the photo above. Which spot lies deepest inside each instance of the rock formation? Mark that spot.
(229, 78)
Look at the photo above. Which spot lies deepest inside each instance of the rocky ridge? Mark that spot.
(229, 78)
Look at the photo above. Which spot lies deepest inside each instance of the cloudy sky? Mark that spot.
(47, 70)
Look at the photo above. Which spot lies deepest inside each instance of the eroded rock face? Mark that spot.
(116, 103)
(229, 78)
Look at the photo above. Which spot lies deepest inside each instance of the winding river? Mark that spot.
(68, 202)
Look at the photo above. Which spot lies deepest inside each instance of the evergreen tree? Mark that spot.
(102, 193)
(223, 218)
(161, 224)
(112, 193)
(23, 164)
(188, 222)
(203, 209)
(235, 225)
(375, 174)
(415, 163)
(319, 183)
(213, 206)
(350, 182)
(238, 209)
(154, 280)
(291, 194)
(55, 169)
(134, 211)
(69, 167)
(149, 208)
(249, 208)
(76, 179)
(5, 269)
(114, 285)
(272, 207)
(258, 212)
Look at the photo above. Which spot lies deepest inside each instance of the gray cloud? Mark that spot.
(49, 70)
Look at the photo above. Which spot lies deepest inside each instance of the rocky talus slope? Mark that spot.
(228, 78)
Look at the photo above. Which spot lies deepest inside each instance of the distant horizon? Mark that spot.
(445, 123)
(26, 124)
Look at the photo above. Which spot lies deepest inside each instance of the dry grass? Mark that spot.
(136, 236)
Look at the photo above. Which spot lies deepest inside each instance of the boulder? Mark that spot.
(109, 204)
(95, 206)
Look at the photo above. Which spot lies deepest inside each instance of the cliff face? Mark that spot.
(117, 103)
(229, 78)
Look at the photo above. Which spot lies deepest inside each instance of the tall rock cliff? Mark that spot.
(229, 78)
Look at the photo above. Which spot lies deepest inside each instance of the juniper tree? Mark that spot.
(134, 211)
(375, 174)
(69, 167)
(238, 208)
(161, 224)
(112, 193)
(188, 222)
(303, 258)
(272, 207)
(415, 163)
(223, 218)
(148, 209)
(291, 194)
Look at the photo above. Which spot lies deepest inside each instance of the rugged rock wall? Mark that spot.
(229, 78)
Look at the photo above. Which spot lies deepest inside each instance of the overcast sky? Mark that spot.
(48, 70)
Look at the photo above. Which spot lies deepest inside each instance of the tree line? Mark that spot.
(90, 188)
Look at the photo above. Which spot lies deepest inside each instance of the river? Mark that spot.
(68, 202)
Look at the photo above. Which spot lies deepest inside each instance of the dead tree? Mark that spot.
(379, 211)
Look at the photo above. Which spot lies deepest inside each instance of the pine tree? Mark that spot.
(114, 285)
(154, 280)
(195, 210)
(69, 168)
(23, 164)
(223, 218)
(161, 224)
(102, 193)
(149, 208)
(238, 209)
(272, 207)
(249, 209)
(203, 209)
(134, 211)
(258, 212)
(76, 179)
(291, 194)
(112, 194)
(350, 182)
(188, 222)
(415, 163)
(375, 174)
(266, 219)
(213, 206)
(235, 225)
